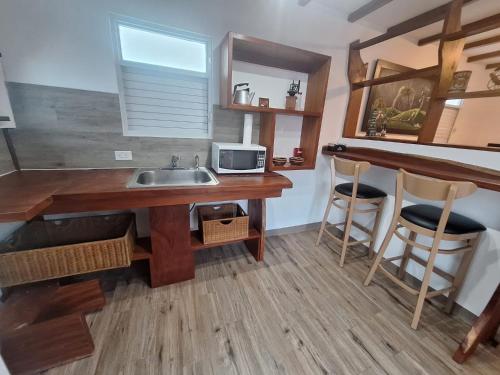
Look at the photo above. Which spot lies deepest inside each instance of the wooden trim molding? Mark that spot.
(483, 42)
(412, 24)
(470, 29)
(493, 66)
(483, 56)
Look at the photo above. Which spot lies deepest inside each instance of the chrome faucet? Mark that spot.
(175, 160)
(196, 162)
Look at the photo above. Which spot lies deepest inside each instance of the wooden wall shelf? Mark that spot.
(426, 166)
(262, 52)
(289, 167)
(278, 111)
(473, 94)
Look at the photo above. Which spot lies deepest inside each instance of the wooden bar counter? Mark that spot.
(27, 194)
(432, 167)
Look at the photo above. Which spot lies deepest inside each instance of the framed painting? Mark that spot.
(402, 104)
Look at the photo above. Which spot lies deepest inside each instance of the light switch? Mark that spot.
(123, 155)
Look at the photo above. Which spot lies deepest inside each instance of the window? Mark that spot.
(164, 80)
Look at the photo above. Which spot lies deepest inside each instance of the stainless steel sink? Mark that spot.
(151, 177)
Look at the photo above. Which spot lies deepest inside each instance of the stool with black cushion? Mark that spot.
(354, 194)
(441, 224)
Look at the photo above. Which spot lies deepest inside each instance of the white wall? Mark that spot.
(66, 43)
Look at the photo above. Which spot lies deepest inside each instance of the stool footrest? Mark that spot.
(435, 293)
(352, 243)
(366, 211)
(458, 250)
(339, 206)
(387, 260)
(398, 281)
(361, 227)
(410, 242)
(438, 271)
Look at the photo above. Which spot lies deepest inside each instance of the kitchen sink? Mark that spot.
(161, 177)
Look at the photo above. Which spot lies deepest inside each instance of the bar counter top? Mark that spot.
(432, 167)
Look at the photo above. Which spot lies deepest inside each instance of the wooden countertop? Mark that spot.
(433, 167)
(26, 194)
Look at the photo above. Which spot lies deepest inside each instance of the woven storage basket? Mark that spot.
(223, 222)
(43, 250)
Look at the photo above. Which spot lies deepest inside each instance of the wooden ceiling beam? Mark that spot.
(493, 66)
(470, 29)
(366, 9)
(483, 56)
(415, 23)
(483, 42)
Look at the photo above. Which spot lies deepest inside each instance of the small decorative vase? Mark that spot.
(460, 81)
(291, 102)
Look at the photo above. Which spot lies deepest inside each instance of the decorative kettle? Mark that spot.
(242, 96)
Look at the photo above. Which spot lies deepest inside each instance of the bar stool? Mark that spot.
(352, 194)
(436, 223)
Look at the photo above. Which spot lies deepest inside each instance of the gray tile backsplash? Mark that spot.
(69, 128)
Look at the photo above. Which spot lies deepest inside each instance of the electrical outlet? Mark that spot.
(123, 155)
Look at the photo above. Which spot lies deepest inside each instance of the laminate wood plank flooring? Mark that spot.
(297, 312)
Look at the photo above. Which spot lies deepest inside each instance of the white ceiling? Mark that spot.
(401, 10)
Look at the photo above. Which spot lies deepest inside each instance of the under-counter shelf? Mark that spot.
(142, 249)
(197, 243)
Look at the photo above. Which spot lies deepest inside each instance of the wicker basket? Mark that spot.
(222, 223)
(43, 250)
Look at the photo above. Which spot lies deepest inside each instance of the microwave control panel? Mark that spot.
(261, 158)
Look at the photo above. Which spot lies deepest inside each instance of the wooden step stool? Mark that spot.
(44, 326)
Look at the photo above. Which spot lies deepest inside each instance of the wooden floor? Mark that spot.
(295, 313)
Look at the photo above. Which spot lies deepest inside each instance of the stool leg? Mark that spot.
(325, 218)
(406, 255)
(425, 284)
(376, 224)
(381, 252)
(460, 275)
(347, 232)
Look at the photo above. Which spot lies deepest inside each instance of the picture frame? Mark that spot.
(264, 102)
(404, 104)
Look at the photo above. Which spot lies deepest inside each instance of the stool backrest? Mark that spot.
(434, 189)
(349, 168)
(431, 189)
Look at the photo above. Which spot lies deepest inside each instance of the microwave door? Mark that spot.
(238, 160)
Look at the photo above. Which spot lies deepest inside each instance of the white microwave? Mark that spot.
(238, 158)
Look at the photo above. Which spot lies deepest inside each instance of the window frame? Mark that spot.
(118, 20)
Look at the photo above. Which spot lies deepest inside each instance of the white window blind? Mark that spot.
(164, 80)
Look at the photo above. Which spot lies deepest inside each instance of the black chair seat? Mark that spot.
(427, 216)
(364, 191)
